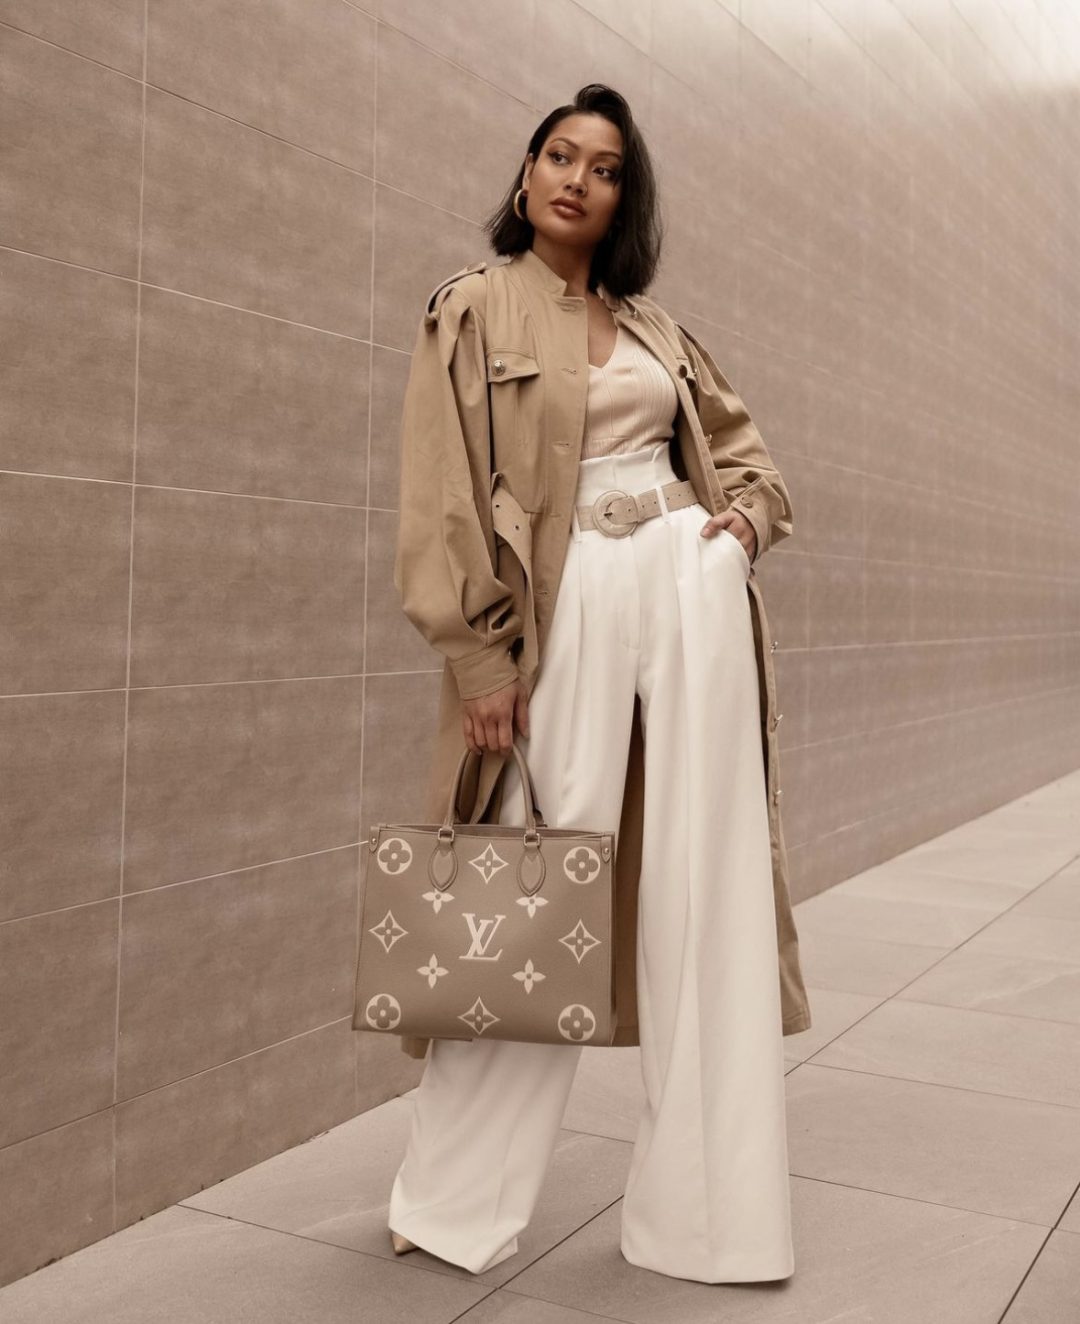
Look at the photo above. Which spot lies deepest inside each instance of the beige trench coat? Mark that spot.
(491, 436)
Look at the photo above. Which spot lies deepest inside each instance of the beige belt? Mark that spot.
(617, 513)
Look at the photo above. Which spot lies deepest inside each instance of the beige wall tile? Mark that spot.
(308, 79)
(111, 34)
(65, 546)
(390, 373)
(417, 246)
(67, 387)
(244, 588)
(399, 723)
(61, 800)
(70, 150)
(217, 968)
(231, 402)
(434, 120)
(58, 1194)
(58, 1030)
(576, 44)
(487, 37)
(234, 215)
(227, 776)
(702, 48)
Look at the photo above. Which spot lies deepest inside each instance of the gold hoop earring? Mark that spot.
(519, 194)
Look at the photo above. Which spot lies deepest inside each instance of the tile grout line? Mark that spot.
(1025, 1276)
(361, 808)
(114, 1109)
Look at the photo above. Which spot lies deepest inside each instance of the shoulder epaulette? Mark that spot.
(465, 271)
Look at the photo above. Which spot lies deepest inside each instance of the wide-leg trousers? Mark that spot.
(663, 614)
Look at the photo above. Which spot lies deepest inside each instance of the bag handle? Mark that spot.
(528, 790)
(531, 870)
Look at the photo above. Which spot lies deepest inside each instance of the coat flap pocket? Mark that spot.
(507, 364)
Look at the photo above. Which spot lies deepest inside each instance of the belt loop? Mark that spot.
(662, 499)
(575, 524)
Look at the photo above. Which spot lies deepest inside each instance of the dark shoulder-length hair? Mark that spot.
(626, 259)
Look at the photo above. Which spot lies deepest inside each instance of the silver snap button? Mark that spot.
(498, 367)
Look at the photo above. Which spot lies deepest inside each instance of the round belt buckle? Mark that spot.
(601, 512)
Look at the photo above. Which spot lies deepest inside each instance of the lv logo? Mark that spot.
(481, 934)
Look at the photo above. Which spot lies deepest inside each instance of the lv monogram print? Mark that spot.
(481, 954)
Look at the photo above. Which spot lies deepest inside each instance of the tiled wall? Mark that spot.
(218, 222)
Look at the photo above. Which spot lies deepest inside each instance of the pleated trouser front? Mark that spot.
(662, 613)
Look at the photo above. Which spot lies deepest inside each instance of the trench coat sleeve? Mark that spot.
(742, 463)
(445, 555)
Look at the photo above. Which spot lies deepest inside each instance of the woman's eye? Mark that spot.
(608, 170)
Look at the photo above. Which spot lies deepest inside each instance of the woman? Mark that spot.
(581, 551)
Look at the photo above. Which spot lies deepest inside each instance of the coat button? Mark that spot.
(776, 796)
(776, 720)
(772, 646)
(498, 367)
(747, 501)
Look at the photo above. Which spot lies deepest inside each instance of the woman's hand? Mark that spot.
(735, 523)
(489, 720)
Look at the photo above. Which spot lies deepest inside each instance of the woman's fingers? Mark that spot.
(488, 723)
(735, 524)
(499, 734)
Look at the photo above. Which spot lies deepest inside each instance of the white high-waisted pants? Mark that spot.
(663, 613)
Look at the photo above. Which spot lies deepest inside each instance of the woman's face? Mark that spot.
(580, 163)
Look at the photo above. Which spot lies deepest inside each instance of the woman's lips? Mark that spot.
(565, 210)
